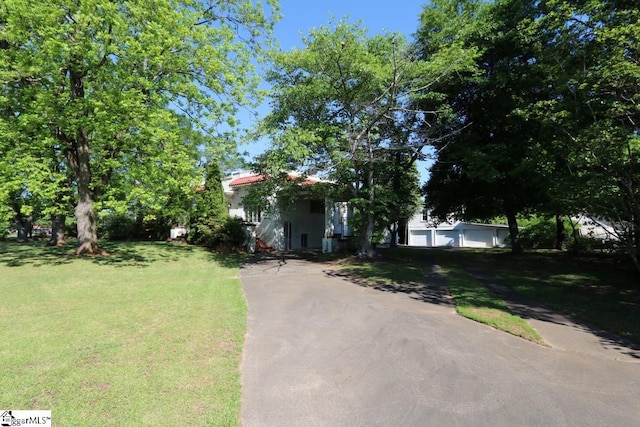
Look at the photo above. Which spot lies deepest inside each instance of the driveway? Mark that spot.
(322, 350)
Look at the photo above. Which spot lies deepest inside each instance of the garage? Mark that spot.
(420, 238)
(447, 238)
(475, 238)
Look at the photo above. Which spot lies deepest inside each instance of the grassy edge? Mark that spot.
(475, 301)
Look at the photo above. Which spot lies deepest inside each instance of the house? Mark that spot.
(423, 230)
(596, 228)
(311, 223)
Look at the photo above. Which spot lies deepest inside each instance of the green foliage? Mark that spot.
(489, 167)
(211, 225)
(112, 103)
(117, 227)
(128, 226)
(210, 211)
(540, 232)
(218, 233)
(345, 102)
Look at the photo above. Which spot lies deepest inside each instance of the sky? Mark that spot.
(378, 16)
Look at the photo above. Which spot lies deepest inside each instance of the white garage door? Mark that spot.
(420, 238)
(447, 238)
(478, 238)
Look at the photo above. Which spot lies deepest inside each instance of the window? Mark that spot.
(425, 214)
(304, 237)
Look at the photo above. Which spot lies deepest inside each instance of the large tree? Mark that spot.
(490, 167)
(591, 54)
(345, 101)
(101, 90)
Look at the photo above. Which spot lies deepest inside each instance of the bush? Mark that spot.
(539, 234)
(216, 233)
(117, 227)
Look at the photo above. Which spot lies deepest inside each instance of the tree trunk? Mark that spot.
(561, 235)
(57, 230)
(84, 210)
(402, 232)
(22, 227)
(365, 246)
(79, 158)
(87, 233)
(393, 235)
(516, 247)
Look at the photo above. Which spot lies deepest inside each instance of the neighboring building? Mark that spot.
(596, 228)
(311, 223)
(423, 230)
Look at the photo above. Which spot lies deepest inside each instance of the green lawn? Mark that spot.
(477, 302)
(595, 289)
(149, 335)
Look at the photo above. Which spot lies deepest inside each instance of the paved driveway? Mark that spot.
(322, 350)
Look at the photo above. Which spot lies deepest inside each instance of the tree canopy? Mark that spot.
(551, 118)
(115, 102)
(347, 100)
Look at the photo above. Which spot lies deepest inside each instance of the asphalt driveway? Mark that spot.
(322, 350)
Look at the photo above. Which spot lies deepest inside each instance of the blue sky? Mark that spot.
(378, 16)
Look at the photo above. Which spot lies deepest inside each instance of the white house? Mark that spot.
(312, 223)
(596, 228)
(423, 230)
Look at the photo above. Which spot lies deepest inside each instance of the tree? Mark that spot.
(210, 207)
(398, 198)
(344, 102)
(591, 53)
(490, 167)
(101, 89)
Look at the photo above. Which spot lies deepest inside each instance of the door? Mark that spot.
(287, 235)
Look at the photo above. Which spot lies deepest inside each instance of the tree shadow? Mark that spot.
(33, 253)
(432, 288)
(527, 308)
(116, 254)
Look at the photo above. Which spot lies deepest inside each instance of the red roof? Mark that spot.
(248, 180)
(263, 177)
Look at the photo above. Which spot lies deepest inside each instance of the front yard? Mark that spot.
(149, 335)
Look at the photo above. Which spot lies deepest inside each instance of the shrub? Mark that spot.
(218, 233)
(117, 227)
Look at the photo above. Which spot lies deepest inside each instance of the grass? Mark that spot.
(150, 334)
(594, 289)
(402, 266)
(477, 302)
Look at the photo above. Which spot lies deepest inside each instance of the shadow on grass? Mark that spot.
(34, 253)
(117, 254)
(586, 294)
